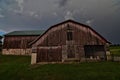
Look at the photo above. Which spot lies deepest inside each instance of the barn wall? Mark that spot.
(49, 54)
(0, 43)
(53, 37)
(16, 51)
(17, 42)
(17, 45)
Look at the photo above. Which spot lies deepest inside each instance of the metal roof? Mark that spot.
(25, 33)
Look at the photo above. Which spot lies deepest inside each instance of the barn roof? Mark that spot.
(72, 22)
(26, 33)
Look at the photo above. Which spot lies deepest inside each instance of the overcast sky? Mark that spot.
(101, 15)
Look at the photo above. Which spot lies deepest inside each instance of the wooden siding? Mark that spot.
(17, 42)
(49, 54)
(17, 45)
(1, 43)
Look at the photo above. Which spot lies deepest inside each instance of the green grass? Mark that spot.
(19, 68)
(115, 50)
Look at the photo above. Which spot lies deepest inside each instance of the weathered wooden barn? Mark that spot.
(1, 43)
(69, 41)
(16, 42)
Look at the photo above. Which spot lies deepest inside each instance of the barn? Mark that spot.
(17, 42)
(1, 43)
(69, 41)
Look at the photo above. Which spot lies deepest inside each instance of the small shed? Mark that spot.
(17, 42)
(69, 41)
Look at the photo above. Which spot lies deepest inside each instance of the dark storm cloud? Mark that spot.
(101, 15)
(117, 2)
(63, 3)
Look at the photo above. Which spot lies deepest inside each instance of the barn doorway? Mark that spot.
(49, 55)
(70, 51)
(95, 51)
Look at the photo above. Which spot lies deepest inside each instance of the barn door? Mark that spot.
(70, 51)
(42, 55)
(49, 55)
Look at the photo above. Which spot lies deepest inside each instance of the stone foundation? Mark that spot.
(16, 51)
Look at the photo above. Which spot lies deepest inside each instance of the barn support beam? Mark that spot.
(64, 53)
(34, 58)
(108, 54)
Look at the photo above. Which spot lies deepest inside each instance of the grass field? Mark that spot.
(115, 50)
(19, 68)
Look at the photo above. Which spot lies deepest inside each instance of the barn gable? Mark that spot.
(80, 26)
(68, 40)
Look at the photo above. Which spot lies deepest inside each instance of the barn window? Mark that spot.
(69, 36)
(69, 33)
